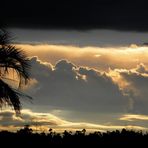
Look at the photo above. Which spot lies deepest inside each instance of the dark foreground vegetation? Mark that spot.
(26, 137)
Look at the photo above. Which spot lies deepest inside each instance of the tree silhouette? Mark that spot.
(12, 59)
(26, 137)
(26, 130)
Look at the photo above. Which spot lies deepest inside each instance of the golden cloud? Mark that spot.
(133, 117)
(43, 121)
(96, 57)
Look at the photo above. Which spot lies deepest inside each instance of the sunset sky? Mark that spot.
(87, 74)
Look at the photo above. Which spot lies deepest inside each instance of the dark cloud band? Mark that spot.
(81, 15)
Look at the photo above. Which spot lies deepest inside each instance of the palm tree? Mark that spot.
(12, 59)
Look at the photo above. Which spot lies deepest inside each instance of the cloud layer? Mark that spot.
(101, 58)
(67, 86)
(78, 15)
(40, 122)
(91, 38)
(71, 87)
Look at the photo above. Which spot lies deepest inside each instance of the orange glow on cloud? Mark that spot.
(43, 121)
(96, 57)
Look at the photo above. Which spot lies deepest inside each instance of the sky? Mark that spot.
(89, 65)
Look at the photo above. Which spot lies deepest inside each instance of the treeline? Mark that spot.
(26, 137)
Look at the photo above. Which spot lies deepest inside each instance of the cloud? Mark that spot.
(8, 118)
(43, 121)
(70, 87)
(141, 68)
(134, 83)
(83, 97)
(91, 38)
(36, 120)
(133, 117)
(88, 15)
(113, 57)
(133, 46)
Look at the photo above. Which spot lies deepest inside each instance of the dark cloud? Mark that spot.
(67, 86)
(137, 80)
(100, 37)
(82, 14)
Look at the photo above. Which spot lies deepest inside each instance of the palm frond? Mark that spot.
(10, 97)
(12, 57)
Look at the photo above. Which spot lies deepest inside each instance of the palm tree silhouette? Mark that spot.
(12, 59)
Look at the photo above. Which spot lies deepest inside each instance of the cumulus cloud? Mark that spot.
(97, 88)
(134, 83)
(70, 87)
